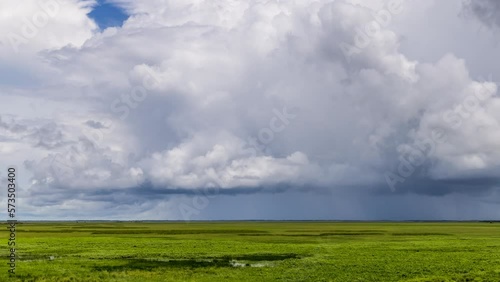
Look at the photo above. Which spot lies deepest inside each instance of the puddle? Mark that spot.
(235, 263)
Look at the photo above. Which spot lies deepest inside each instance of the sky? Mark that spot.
(106, 14)
(257, 109)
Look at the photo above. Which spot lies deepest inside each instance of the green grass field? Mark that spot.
(255, 251)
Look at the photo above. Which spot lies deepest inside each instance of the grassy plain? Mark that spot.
(255, 251)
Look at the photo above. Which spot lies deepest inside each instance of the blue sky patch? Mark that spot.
(108, 15)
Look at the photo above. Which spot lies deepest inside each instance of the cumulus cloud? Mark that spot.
(245, 96)
(45, 25)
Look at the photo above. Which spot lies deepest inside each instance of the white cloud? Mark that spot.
(33, 26)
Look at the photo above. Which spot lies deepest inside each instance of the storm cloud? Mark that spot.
(203, 103)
